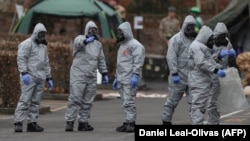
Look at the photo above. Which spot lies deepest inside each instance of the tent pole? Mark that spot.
(81, 22)
(216, 6)
(12, 22)
(198, 3)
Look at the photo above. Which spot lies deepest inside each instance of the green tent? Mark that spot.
(71, 9)
(236, 16)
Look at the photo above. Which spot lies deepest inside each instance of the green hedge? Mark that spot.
(60, 56)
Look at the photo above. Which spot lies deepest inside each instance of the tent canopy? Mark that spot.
(70, 9)
(236, 16)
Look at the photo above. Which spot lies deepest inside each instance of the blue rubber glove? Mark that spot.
(176, 78)
(224, 52)
(114, 85)
(50, 83)
(134, 81)
(105, 79)
(232, 52)
(221, 73)
(26, 79)
(90, 39)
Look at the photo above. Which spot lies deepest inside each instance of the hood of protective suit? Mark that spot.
(188, 20)
(126, 30)
(38, 28)
(89, 25)
(219, 29)
(204, 34)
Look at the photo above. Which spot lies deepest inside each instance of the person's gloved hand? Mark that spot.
(134, 81)
(50, 83)
(114, 85)
(105, 79)
(26, 79)
(224, 52)
(90, 39)
(221, 73)
(176, 78)
(232, 52)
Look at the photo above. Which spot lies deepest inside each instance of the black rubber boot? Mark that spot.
(122, 128)
(130, 127)
(85, 127)
(34, 127)
(166, 123)
(18, 127)
(70, 126)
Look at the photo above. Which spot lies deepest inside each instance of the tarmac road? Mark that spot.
(106, 116)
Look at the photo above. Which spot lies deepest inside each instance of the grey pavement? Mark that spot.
(106, 115)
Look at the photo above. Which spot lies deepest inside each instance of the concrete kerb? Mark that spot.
(61, 97)
(44, 108)
(10, 111)
(53, 96)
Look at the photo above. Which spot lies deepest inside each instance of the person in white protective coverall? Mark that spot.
(178, 65)
(88, 56)
(222, 51)
(202, 66)
(33, 65)
(130, 60)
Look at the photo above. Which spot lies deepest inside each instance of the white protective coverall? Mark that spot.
(202, 68)
(130, 60)
(87, 58)
(212, 109)
(32, 58)
(177, 61)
